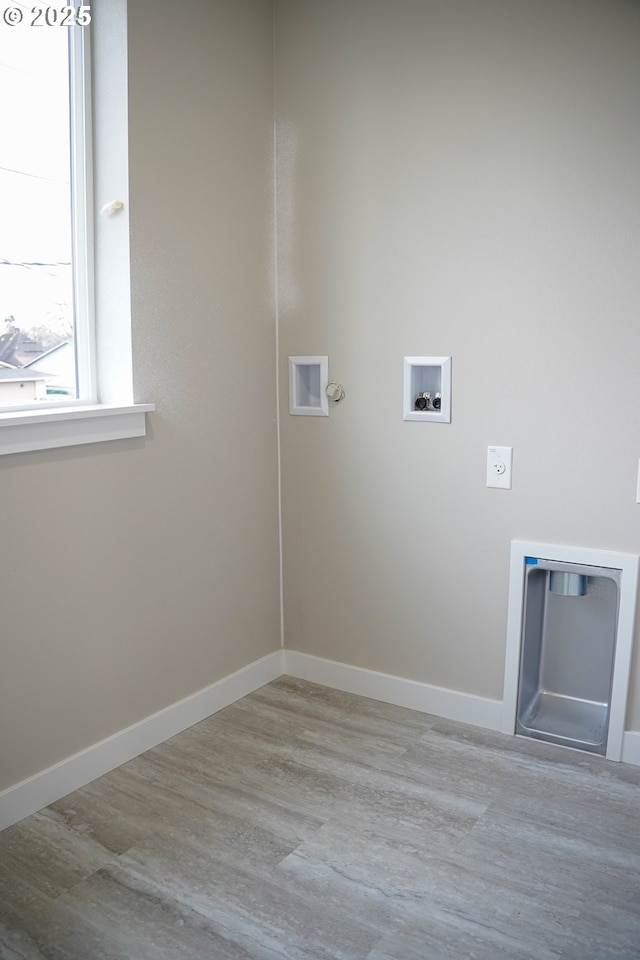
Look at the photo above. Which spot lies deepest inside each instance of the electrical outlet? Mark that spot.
(499, 461)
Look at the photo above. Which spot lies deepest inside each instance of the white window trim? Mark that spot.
(119, 417)
(82, 202)
(26, 430)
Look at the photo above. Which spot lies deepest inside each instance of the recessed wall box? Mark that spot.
(427, 389)
(308, 378)
(569, 642)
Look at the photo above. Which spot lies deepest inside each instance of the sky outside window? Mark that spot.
(35, 207)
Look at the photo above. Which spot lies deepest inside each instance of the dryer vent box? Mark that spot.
(308, 378)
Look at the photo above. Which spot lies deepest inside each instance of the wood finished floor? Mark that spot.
(304, 823)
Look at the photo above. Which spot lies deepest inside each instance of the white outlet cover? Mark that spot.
(499, 461)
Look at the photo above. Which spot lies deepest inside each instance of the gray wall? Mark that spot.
(135, 573)
(455, 177)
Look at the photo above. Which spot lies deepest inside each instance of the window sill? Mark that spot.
(24, 430)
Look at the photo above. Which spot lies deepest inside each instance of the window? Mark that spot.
(46, 263)
(50, 394)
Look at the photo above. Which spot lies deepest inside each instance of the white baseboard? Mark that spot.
(56, 782)
(631, 747)
(61, 779)
(440, 701)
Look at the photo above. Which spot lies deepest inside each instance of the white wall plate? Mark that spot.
(499, 463)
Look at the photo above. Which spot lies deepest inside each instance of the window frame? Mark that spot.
(105, 408)
(82, 203)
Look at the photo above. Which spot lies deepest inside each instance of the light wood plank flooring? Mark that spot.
(304, 823)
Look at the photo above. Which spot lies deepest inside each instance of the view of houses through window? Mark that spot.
(37, 355)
